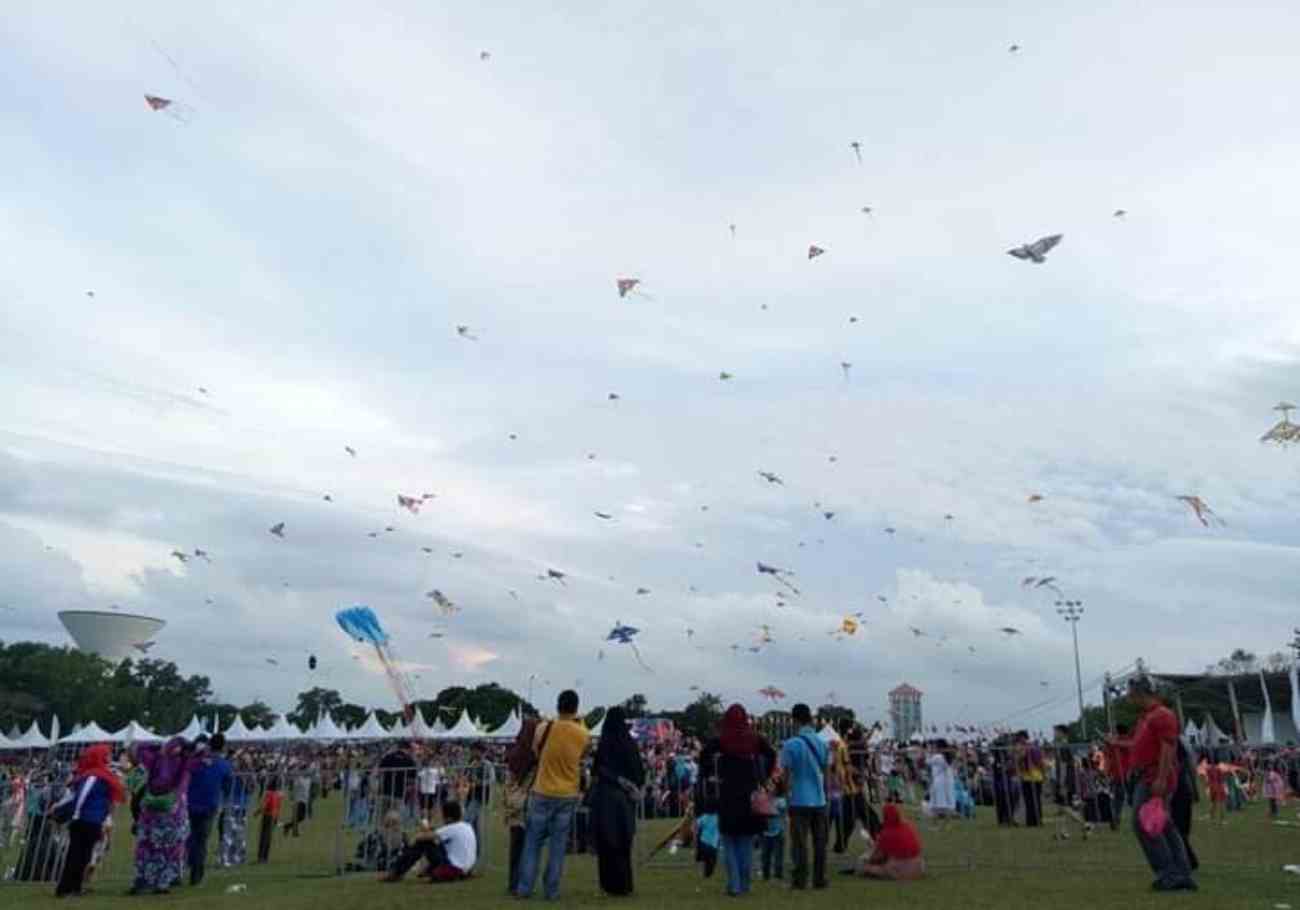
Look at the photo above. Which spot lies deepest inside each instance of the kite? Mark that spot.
(866, 210)
(372, 534)
(202, 390)
(627, 286)
(273, 662)
(724, 375)
(828, 515)
(917, 632)
(410, 503)
(614, 396)
(328, 498)
(1013, 49)
(848, 627)
(1284, 432)
(624, 635)
(765, 634)
(732, 228)
(485, 55)
(771, 478)
(1034, 497)
(1204, 514)
(173, 109)
(891, 531)
(437, 633)
(311, 662)
(781, 575)
(857, 150)
(882, 598)
(1037, 251)
(202, 554)
(1010, 630)
(464, 332)
(144, 646)
(389, 529)
(814, 251)
(1119, 213)
(362, 625)
(351, 451)
(641, 592)
(457, 555)
(278, 529)
(846, 367)
(553, 575)
(443, 601)
(772, 693)
(182, 557)
(427, 549)
(603, 516)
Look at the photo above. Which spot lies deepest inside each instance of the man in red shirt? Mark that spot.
(1153, 761)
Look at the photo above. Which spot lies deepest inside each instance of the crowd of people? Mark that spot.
(736, 797)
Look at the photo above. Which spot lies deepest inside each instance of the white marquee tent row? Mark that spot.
(324, 730)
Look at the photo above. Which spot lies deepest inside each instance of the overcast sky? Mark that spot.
(341, 187)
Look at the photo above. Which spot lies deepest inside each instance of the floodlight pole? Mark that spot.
(1072, 611)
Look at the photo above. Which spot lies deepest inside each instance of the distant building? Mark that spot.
(905, 711)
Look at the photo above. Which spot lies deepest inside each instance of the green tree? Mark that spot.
(832, 714)
(700, 718)
(636, 706)
(313, 705)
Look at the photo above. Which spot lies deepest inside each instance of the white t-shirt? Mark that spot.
(429, 779)
(460, 843)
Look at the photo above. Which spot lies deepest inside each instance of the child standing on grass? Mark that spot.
(1274, 790)
(270, 812)
(1218, 792)
(774, 836)
(707, 840)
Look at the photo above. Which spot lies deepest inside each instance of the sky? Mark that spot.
(202, 306)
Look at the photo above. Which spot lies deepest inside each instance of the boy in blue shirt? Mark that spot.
(707, 839)
(774, 837)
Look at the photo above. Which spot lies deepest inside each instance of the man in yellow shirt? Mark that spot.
(560, 745)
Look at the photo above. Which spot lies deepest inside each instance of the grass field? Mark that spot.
(973, 865)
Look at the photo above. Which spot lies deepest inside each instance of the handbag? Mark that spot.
(760, 800)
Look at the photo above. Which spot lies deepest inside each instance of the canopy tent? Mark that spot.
(6, 743)
(463, 729)
(1210, 731)
(194, 730)
(135, 733)
(282, 730)
(90, 733)
(1192, 733)
(419, 727)
(325, 730)
(33, 738)
(238, 732)
(370, 729)
(510, 729)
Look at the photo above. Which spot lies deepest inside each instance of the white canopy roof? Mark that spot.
(370, 729)
(1192, 733)
(1211, 732)
(238, 731)
(90, 733)
(194, 730)
(510, 729)
(281, 730)
(33, 738)
(135, 733)
(419, 727)
(463, 729)
(325, 729)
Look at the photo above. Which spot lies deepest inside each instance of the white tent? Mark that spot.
(371, 729)
(282, 730)
(419, 727)
(135, 733)
(325, 730)
(90, 733)
(6, 742)
(193, 731)
(1210, 730)
(238, 732)
(463, 729)
(1192, 733)
(510, 729)
(32, 739)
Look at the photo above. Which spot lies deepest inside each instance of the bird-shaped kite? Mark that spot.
(603, 516)
(771, 478)
(724, 375)
(624, 635)
(144, 646)
(781, 575)
(1038, 250)
(351, 451)
(554, 575)
(1119, 213)
(327, 498)
(828, 515)
(278, 529)
(157, 103)
(181, 557)
(311, 662)
(443, 602)
(426, 549)
(917, 632)
(1010, 631)
(857, 150)
(627, 286)
(1013, 48)
(1284, 432)
(485, 55)
(614, 396)
(464, 332)
(273, 662)
(891, 531)
(642, 592)
(410, 503)
(814, 251)
(1204, 514)
(846, 367)
(200, 553)
(772, 693)
(1034, 497)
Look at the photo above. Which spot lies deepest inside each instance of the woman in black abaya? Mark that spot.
(617, 775)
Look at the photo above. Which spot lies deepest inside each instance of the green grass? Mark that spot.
(973, 865)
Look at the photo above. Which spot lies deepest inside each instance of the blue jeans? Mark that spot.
(774, 855)
(738, 855)
(549, 819)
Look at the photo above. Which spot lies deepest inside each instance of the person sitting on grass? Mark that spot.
(448, 852)
(897, 855)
